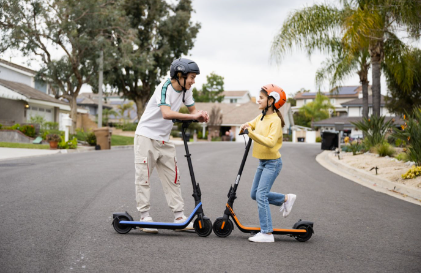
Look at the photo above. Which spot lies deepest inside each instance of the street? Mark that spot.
(57, 211)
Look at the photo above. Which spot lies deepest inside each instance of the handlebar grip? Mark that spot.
(184, 121)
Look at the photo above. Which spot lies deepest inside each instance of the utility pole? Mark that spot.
(101, 65)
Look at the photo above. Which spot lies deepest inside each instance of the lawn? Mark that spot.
(121, 140)
(24, 145)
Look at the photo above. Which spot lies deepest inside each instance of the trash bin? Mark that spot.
(330, 140)
(103, 138)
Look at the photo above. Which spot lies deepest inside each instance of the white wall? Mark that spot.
(9, 74)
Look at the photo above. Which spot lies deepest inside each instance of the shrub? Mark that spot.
(412, 173)
(400, 143)
(1, 126)
(216, 139)
(391, 139)
(374, 128)
(200, 134)
(318, 139)
(129, 127)
(37, 119)
(15, 127)
(355, 147)
(411, 134)
(402, 157)
(50, 126)
(28, 130)
(91, 139)
(53, 137)
(71, 144)
(384, 149)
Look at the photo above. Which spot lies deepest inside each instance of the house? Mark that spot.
(236, 96)
(354, 114)
(13, 72)
(234, 115)
(337, 97)
(22, 97)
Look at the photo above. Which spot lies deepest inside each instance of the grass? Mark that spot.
(121, 140)
(24, 145)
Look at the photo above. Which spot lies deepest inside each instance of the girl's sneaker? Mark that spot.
(262, 238)
(289, 203)
(148, 230)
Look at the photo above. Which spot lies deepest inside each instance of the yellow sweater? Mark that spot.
(267, 135)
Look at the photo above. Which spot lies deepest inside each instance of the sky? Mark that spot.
(235, 40)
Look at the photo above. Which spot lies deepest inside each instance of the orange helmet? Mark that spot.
(276, 93)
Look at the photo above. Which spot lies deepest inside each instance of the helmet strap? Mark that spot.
(183, 87)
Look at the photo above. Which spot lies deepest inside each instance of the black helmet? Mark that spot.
(184, 66)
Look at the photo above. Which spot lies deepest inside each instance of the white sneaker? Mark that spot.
(262, 238)
(182, 220)
(148, 230)
(289, 203)
(282, 208)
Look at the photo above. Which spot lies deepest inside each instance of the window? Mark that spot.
(35, 108)
(233, 100)
(41, 109)
(48, 110)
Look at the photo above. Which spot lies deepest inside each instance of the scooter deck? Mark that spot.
(163, 225)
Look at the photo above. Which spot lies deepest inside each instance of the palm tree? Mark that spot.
(342, 65)
(122, 108)
(319, 27)
(375, 24)
(317, 109)
(360, 25)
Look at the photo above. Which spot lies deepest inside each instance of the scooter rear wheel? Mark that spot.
(306, 236)
(222, 232)
(121, 228)
(206, 227)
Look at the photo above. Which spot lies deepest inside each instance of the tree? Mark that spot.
(106, 112)
(122, 108)
(164, 32)
(211, 90)
(376, 24)
(74, 28)
(317, 109)
(403, 99)
(358, 26)
(291, 96)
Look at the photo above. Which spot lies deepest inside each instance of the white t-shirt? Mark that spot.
(152, 124)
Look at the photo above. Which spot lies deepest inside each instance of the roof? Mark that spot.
(18, 66)
(347, 121)
(234, 93)
(359, 102)
(29, 92)
(232, 114)
(337, 92)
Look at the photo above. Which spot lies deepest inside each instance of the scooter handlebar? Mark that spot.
(244, 132)
(184, 121)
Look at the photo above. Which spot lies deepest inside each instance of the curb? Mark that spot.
(403, 192)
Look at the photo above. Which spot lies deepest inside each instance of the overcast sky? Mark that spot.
(234, 42)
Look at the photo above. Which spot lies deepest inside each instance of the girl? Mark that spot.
(266, 131)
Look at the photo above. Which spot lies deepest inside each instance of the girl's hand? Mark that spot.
(245, 126)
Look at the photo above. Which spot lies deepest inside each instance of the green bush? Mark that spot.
(129, 127)
(15, 127)
(175, 133)
(216, 139)
(402, 157)
(374, 128)
(1, 126)
(400, 143)
(71, 144)
(391, 139)
(91, 139)
(47, 132)
(318, 139)
(50, 126)
(411, 134)
(200, 134)
(384, 149)
(28, 130)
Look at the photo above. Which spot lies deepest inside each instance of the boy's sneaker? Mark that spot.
(289, 203)
(262, 238)
(182, 220)
(148, 230)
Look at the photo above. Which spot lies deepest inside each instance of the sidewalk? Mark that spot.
(376, 183)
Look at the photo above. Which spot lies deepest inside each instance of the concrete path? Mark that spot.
(13, 153)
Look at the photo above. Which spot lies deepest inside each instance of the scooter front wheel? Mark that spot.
(204, 229)
(222, 229)
(121, 228)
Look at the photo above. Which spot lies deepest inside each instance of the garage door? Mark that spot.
(47, 113)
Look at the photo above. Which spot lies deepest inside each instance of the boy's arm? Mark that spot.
(272, 138)
(167, 113)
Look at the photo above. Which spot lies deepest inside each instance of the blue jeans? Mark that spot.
(265, 175)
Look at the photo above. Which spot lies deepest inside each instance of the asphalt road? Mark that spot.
(56, 214)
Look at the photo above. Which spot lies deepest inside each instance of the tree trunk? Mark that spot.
(365, 99)
(140, 107)
(376, 54)
(73, 113)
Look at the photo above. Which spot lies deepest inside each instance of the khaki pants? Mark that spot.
(150, 153)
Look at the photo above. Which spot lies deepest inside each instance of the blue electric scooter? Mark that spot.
(123, 221)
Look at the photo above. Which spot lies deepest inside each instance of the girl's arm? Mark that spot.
(269, 141)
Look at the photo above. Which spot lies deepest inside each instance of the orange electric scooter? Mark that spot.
(223, 226)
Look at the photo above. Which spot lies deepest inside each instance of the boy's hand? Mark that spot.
(202, 116)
